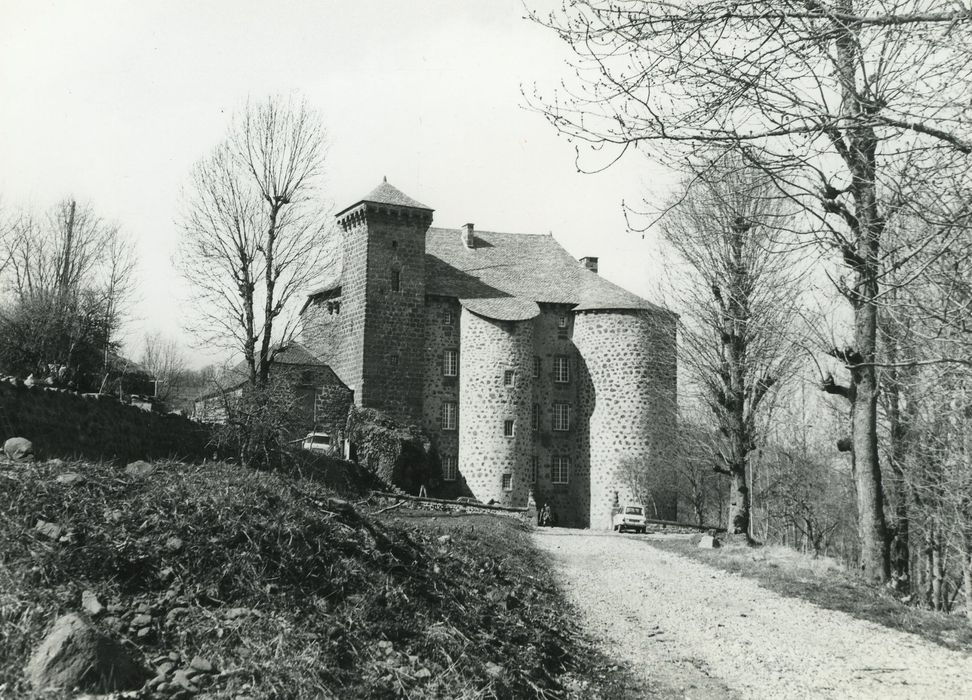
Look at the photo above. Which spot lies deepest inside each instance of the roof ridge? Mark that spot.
(387, 193)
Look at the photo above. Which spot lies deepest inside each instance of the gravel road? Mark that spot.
(688, 630)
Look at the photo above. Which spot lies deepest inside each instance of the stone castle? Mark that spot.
(531, 373)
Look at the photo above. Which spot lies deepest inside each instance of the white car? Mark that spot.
(630, 517)
(317, 442)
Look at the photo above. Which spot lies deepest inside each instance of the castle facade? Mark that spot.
(531, 373)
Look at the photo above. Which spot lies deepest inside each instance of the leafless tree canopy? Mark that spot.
(68, 279)
(163, 359)
(857, 110)
(738, 294)
(255, 229)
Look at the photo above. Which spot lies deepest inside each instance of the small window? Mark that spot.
(394, 244)
(508, 428)
(561, 369)
(448, 317)
(536, 417)
(561, 470)
(396, 280)
(507, 482)
(449, 415)
(563, 321)
(450, 469)
(450, 363)
(536, 366)
(561, 417)
(509, 377)
(534, 468)
(394, 360)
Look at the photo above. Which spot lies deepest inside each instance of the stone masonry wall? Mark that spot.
(569, 501)
(394, 320)
(351, 322)
(489, 349)
(324, 333)
(627, 400)
(442, 333)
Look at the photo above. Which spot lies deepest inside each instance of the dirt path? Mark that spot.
(688, 630)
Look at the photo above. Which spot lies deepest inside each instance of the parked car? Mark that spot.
(630, 517)
(317, 442)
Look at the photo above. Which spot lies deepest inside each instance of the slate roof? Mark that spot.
(387, 194)
(505, 274)
(516, 267)
(294, 354)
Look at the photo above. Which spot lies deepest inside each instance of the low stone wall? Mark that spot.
(65, 424)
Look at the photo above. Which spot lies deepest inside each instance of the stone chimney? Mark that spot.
(590, 263)
(468, 237)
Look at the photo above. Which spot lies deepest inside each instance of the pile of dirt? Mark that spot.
(234, 582)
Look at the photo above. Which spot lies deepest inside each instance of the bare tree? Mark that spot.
(738, 297)
(69, 280)
(165, 362)
(255, 229)
(854, 107)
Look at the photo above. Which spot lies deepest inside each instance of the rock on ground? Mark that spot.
(139, 468)
(689, 630)
(19, 449)
(76, 655)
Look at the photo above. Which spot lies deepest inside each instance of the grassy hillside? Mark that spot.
(286, 591)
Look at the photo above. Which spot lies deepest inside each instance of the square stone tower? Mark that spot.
(383, 300)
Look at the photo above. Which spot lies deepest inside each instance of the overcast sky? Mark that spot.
(113, 102)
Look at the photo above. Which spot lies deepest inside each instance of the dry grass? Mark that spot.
(337, 603)
(824, 582)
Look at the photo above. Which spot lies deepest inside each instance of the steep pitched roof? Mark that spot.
(294, 354)
(517, 267)
(505, 274)
(386, 193)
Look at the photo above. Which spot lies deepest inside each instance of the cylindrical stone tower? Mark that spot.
(495, 399)
(627, 402)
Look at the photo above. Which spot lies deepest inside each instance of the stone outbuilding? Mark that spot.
(322, 398)
(532, 373)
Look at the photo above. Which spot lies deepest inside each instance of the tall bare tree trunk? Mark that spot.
(900, 556)
(64, 281)
(967, 578)
(858, 149)
(935, 572)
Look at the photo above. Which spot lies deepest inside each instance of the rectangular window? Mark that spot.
(534, 468)
(450, 363)
(536, 366)
(509, 377)
(536, 417)
(561, 470)
(561, 369)
(508, 428)
(563, 321)
(396, 280)
(507, 482)
(449, 415)
(561, 417)
(448, 318)
(450, 468)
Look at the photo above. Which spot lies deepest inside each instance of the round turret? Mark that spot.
(495, 404)
(627, 406)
